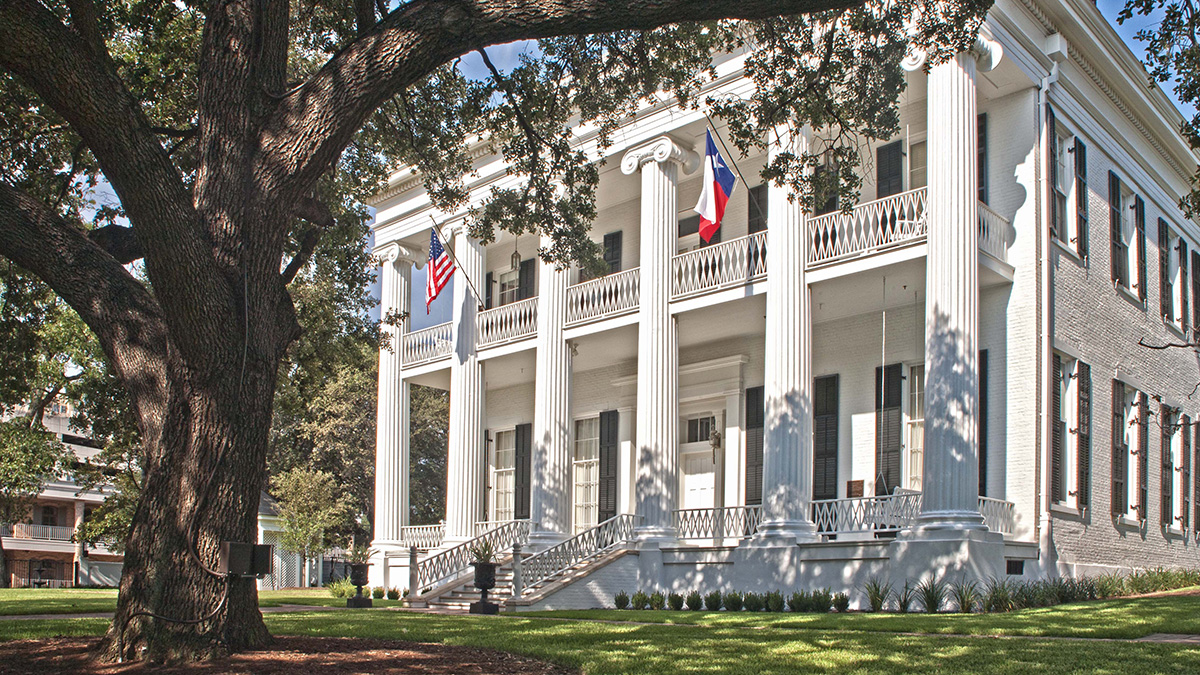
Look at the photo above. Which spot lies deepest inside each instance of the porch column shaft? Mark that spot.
(392, 428)
(658, 341)
(550, 492)
(787, 442)
(951, 472)
(465, 464)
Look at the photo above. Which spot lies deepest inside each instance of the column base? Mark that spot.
(777, 533)
(540, 540)
(946, 554)
(655, 536)
(949, 519)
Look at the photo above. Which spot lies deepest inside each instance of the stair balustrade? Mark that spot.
(427, 344)
(609, 296)
(508, 323)
(724, 265)
(591, 543)
(455, 561)
(735, 522)
(868, 228)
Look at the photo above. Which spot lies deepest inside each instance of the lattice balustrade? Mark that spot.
(734, 522)
(998, 515)
(453, 562)
(603, 298)
(427, 344)
(724, 265)
(868, 228)
(885, 513)
(589, 544)
(508, 323)
(993, 233)
(422, 536)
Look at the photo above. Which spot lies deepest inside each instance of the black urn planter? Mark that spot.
(358, 577)
(485, 580)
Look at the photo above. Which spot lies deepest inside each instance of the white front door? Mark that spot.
(698, 475)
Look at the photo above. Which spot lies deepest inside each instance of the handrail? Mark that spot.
(43, 532)
(724, 265)
(426, 344)
(423, 536)
(610, 295)
(717, 523)
(508, 323)
(541, 567)
(993, 233)
(868, 228)
(454, 561)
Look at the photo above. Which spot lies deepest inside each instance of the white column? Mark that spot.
(81, 572)
(627, 465)
(466, 462)
(550, 471)
(732, 475)
(787, 387)
(658, 342)
(392, 418)
(951, 472)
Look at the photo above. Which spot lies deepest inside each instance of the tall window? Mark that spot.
(587, 472)
(917, 166)
(1172, 452)
(1130, 449)
(700, 429)
(1064, 174)
(510, 284)
(503, 479)
(49, 515)
(1173, 291)
(916, 426)
(1065, 440)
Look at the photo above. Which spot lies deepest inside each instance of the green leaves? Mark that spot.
(28, 459)
(310, 507)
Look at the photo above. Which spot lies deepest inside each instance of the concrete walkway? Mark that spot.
(109, 615)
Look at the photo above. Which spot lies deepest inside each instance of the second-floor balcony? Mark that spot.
(39, 532)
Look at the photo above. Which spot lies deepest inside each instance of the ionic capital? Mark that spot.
(988, 54)
(659, 150)
(396, 254)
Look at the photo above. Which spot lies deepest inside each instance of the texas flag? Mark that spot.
(718, 188)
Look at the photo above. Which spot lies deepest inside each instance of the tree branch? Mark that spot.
(119, 242)
(317, 213)
(1170, 345)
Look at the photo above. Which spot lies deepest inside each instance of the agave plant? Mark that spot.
(932, 594)
(878, 593)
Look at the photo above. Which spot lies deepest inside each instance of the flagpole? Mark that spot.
(750, 194)
(450, 249)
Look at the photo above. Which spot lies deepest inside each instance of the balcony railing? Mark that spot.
(724, 265)
(427, 344)
(42, 532)
(603, 298)
(891, 513)
(869, 228)
(423, 536)
(998, 515)
(736, 522)
(508, 323)
(993, 233)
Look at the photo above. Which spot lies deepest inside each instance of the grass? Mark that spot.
(88, 600)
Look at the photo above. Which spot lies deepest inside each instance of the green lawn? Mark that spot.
(87, 600)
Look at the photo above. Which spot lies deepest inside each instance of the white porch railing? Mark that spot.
(998, 515)
(885, 513)
(603, 298)
(541, 567)
(735, 522)
(868, 228)
(454, 561)
(423, 536)
(508, 323)
(427, 344)
(993, 233)
(44, 532)
(724, 265)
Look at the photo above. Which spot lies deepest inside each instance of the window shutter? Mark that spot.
(1195, 296)
(755, 414)
(757, 217)
(487, 282)
(889, 388)
(981, 168)
(522, 456)
(1143, 457)
(612, 251)
(610, 429)
(1081, 199)
(1052, 171)
(825, 437)
(1185, 428)
(1167, 514)
(1114, 218)
(525, 279)
(1184, 313)
(889, 169)
(1196, 481)
(1083, 385)
(1120, 462)
(983, 420)
(1139, 207)
(1164, 272)
(1056, 435)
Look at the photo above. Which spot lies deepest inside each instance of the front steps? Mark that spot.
(458, 595)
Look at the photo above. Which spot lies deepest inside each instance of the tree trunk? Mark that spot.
(4, 578)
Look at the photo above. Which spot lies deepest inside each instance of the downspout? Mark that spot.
(1043, 530)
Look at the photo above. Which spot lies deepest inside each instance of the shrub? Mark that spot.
(753, 602)
(800, 601)
(378, 592)
(656, 600)
(997, 596)
(878, 593)
(621, 600)
(675, 601)
(822, 601)
(1110, 585)
(342, 588)
(712, 601)
(774, 601)
(905, 598)
(694, 602)
(931, 593)
(966, 595)
(393, 594)
(639, 600)
(733, 601)
(841, 602)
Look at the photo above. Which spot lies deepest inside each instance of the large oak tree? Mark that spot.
(232, 131)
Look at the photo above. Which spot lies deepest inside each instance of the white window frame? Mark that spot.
(1177, 486)
(1178, 283)
(914, 427)
(1133, 432)
(1132, 243)
(585, 474)
(498, 474)
(1065, 173)
(1068, 387)
(509, 287)
(909, 154)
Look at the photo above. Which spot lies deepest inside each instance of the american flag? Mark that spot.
(441, 268)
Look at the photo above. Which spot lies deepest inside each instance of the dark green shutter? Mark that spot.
(1120, 451)
(981, 168)
(1052, 172)
(1056, 434)
(757, 216)
(1165, 305)
(610, 429)
(1083, 385)
(825, 437)
(1120, 263)
(889, 170)
(487, 282)
(1185, 428)
(522, 460)
(1168, 468)
(612, 251)
(1139, 211)
(1184, 313)
(755, 416)
(889, 389)
(1081, 199)
(1196, 297)
(983, 421)
(525, 289)
(1196, 481)
(1143, 458)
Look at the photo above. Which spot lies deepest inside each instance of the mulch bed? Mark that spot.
(305, 655)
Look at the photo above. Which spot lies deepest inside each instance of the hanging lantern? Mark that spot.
(516, 256)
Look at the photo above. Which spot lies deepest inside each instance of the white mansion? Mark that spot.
(947, 380)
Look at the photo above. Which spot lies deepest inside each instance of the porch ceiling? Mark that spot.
(871, 290)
